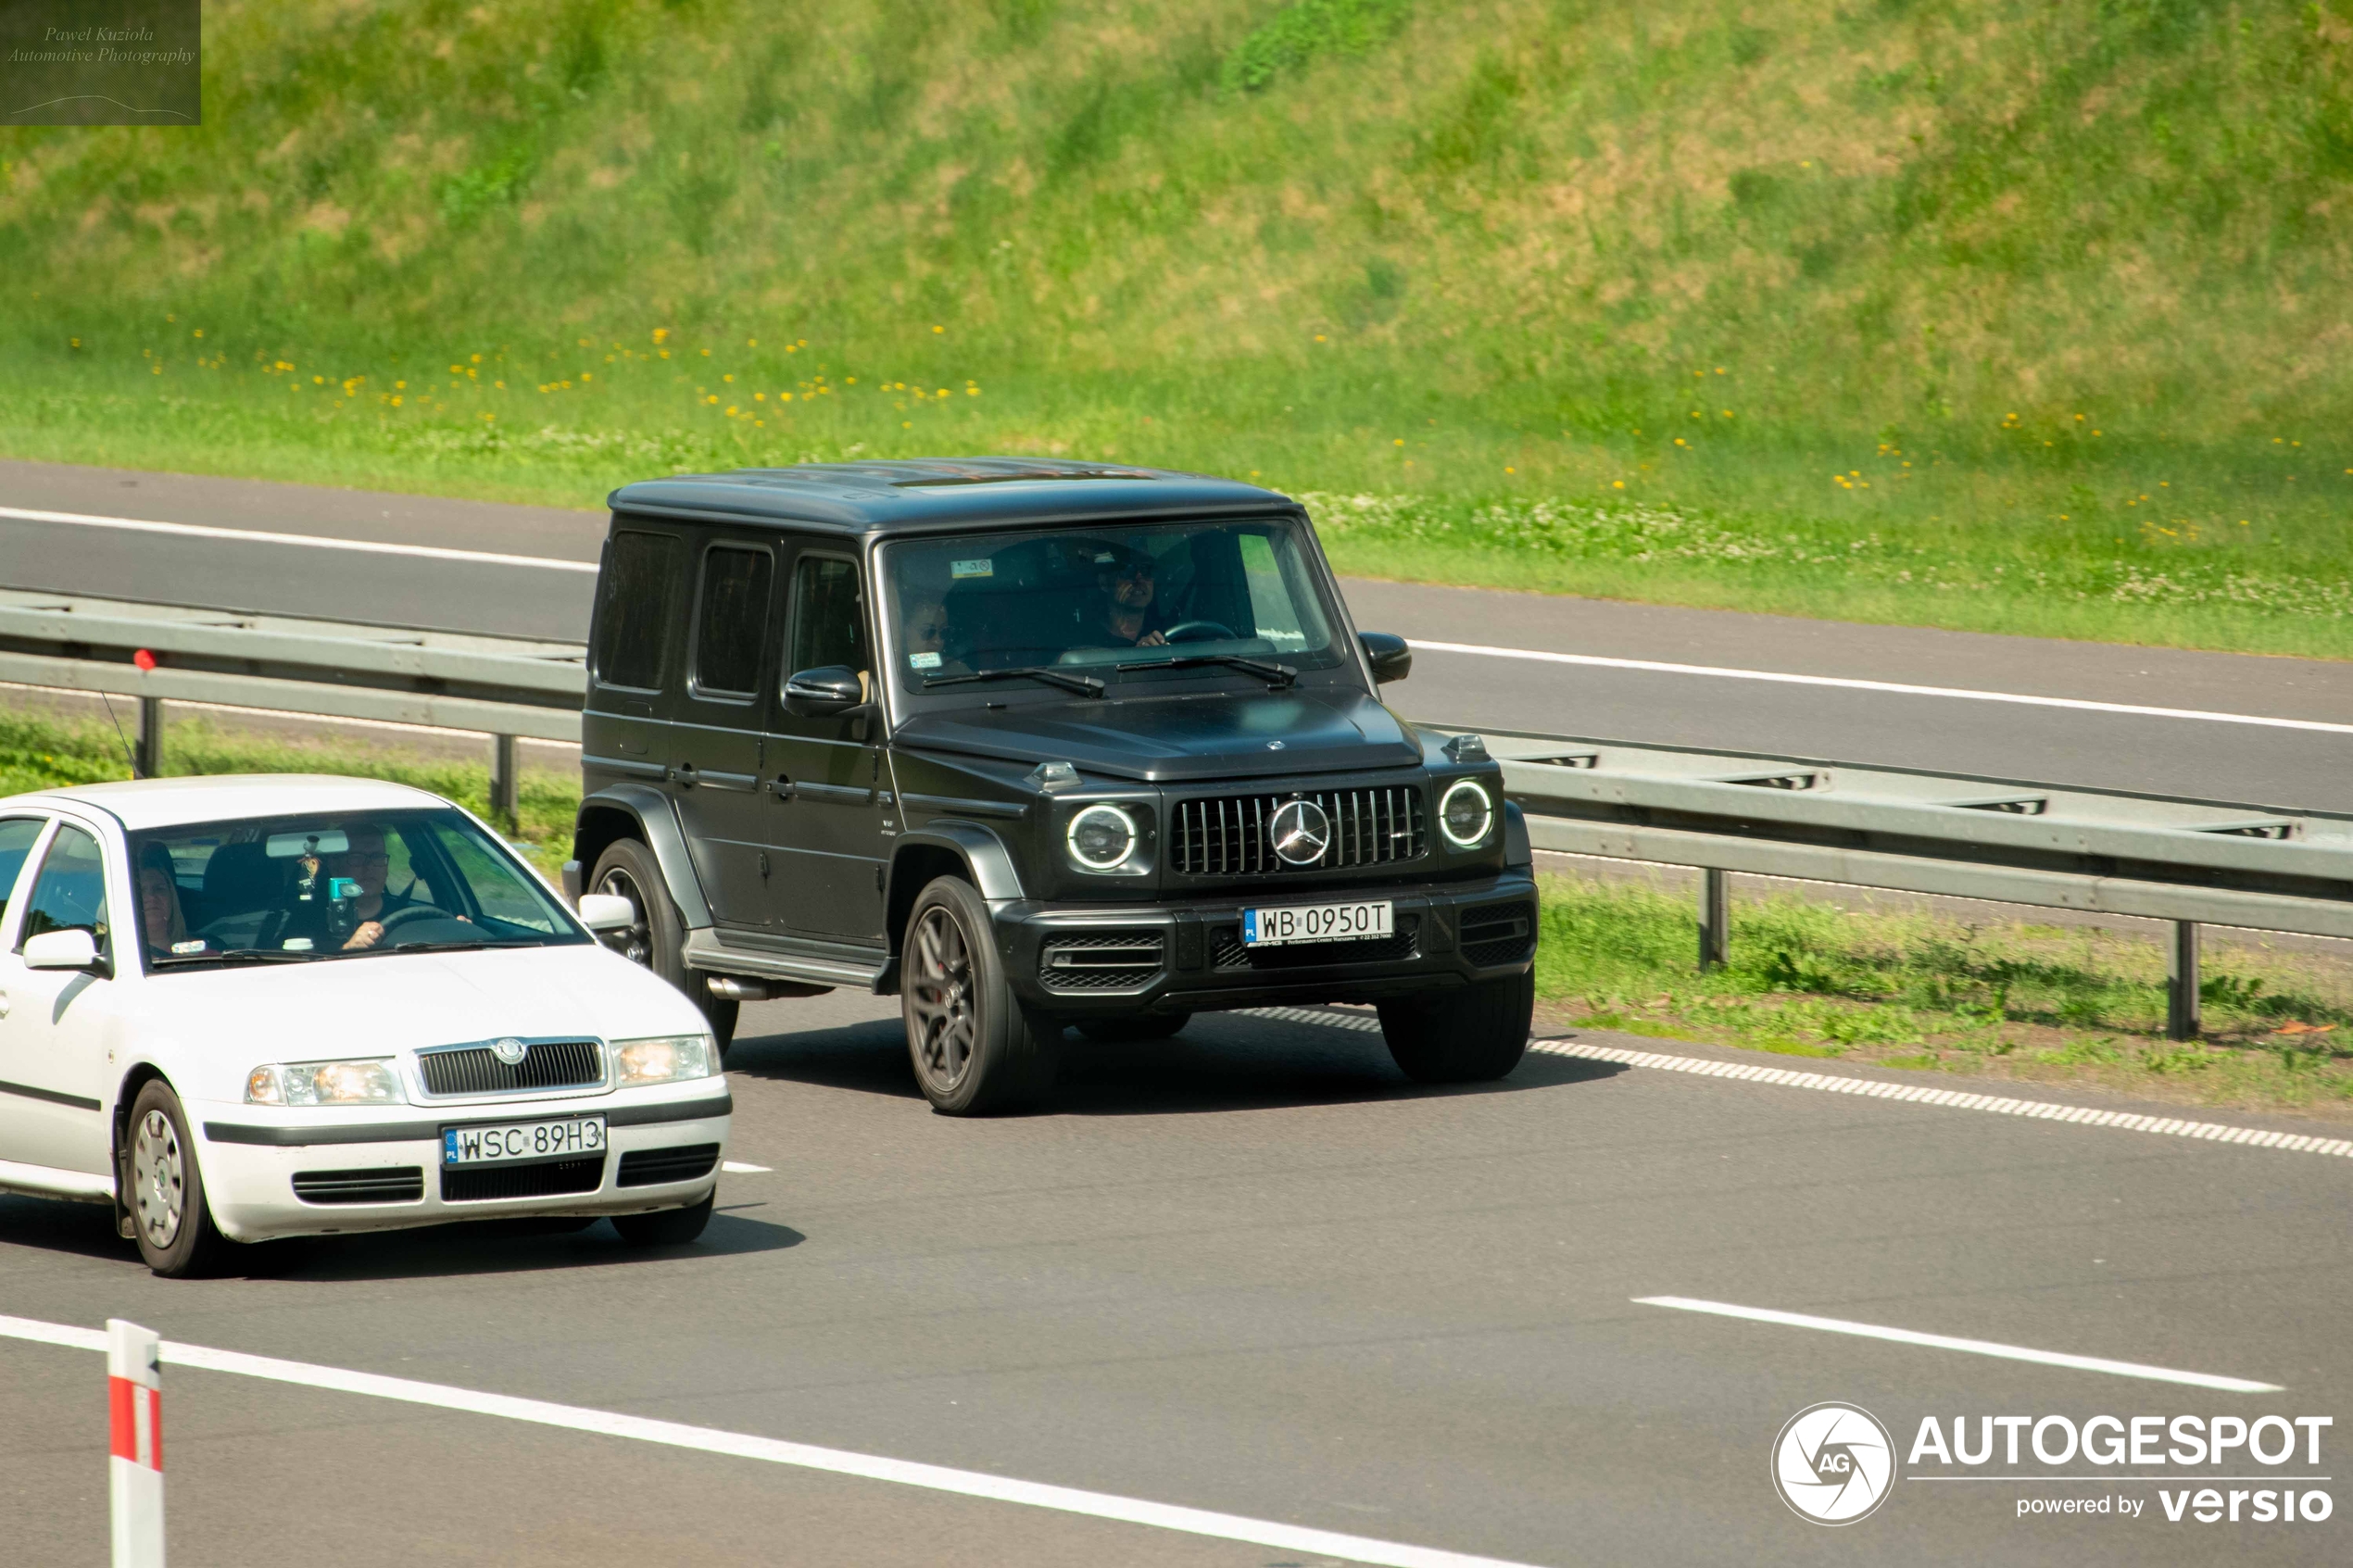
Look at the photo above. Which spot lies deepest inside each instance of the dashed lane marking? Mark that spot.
(737, 1168)
(804, 1456)
(1874, 1088)
(1971, 1347)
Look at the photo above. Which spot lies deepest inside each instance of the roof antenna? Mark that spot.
(130, 754)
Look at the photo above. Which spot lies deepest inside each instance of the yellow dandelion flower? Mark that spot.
(730, 376)
(731, 410)
(713, 398)
(784, 398)
(1399, 442)
(1319, 337)
(751, 342)
(906, 425)
(939, 329)
(200, 332)
(1618, 485)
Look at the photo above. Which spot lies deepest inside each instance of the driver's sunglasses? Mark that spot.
(1130, 573)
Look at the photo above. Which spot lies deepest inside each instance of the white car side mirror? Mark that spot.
(70, 949)
(607, 911)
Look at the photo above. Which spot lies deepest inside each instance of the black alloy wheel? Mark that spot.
(656, 938)
(974, 1046)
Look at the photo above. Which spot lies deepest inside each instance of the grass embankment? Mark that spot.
(2006, 317)
(2010, 998)
(2005, 998)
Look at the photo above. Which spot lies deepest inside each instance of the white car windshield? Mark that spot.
(305, 888)
(1107, 603)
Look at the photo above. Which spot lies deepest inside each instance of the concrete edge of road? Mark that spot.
(2066, 1104)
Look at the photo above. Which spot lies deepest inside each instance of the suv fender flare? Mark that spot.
(656, 825)
(979, 854)
(1517, 849)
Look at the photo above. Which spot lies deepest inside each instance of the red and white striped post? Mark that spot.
(135, 1392)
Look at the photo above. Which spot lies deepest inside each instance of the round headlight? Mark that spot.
(1101, 837)
(1464, 814)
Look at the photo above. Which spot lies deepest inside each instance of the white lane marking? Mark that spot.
(737, 1168)
(804, 1456)
(1973, 1347)
(308, 541)
(1896, 687)
(1920, 1094)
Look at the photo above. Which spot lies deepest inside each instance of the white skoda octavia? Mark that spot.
(243, 1007)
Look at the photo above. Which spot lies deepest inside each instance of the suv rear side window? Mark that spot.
(731, 623)
(633, 614)
(828, 626)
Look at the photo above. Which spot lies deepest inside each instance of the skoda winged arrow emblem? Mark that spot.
(509, 1050)
(1300, 832)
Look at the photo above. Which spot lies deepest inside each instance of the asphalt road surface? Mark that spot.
(1250, 1270)
(2091, 745)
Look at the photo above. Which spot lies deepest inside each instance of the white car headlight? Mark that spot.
(324, 1082)
(663, 1059)
(1103, 837)
(1465, 813)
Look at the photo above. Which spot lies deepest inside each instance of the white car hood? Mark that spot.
(241, 1017)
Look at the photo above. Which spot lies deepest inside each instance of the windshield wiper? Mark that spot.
(432, 947)
(1274, 675)
(1085, 685)
(237, 955)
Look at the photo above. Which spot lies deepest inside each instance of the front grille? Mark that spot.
(547, 1064)
(395, 1183)
(479, 1184)
(1369, 827)
(1498, 934)
(651, 1167)
(1227, 951)
(1099, 961)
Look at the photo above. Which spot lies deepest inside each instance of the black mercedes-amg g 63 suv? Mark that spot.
(1033, 745)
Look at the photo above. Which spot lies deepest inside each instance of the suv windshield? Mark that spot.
(1098, 601)
(304, 888)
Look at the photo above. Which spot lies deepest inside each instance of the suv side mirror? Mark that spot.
(70, 949)
(1390, 657)
(818, 694)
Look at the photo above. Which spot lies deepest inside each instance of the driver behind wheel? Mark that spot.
(366, 862)
(1127, 581)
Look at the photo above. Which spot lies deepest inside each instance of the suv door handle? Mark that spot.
(781, 787)
(684, 774)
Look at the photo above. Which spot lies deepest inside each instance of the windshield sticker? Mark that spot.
(195, 946)
(972, 569)
(296, 943)
(923, 660)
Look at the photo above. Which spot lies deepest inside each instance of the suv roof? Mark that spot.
(922, 493)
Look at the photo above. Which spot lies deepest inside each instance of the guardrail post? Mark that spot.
(134, 1397)
(1715, 918)
(506, 785)
(150, 751)
(2181, 1019)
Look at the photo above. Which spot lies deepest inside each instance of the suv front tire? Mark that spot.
(1467, 1036)
(974, 1046)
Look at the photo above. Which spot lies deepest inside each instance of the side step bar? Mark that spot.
(705, 952)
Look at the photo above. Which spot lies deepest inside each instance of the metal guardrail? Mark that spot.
(500, 686)
(2191, 863)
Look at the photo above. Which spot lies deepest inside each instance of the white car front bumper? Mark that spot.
(383, 1171)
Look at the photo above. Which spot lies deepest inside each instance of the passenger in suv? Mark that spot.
(1032, 746)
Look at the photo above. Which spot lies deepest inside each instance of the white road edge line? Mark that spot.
(737, 1168)
(1973, 1347)
(308, 541)
(804, 1456)
(1898, 689)
(1957, 1099)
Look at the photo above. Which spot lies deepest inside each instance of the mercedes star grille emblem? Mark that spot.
(1300, 832)
(509, 1050)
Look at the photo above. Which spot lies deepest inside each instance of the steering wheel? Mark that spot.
(414, 912)
(1197, 631)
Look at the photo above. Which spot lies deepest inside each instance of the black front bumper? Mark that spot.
(1092, 960)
